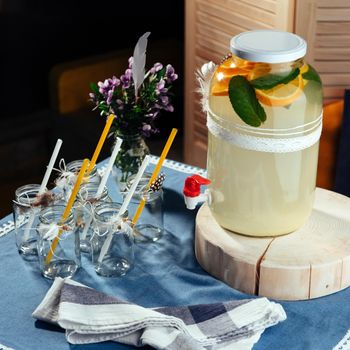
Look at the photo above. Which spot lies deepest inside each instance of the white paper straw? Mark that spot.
(50, 166)
(103, 181)
(43, 186)
(109, 167)
(133, 186)
(124, 206)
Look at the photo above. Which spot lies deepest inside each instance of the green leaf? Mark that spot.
(311, 74)
(244, 102)
(261, 111)
(94, 88)
(271, 80)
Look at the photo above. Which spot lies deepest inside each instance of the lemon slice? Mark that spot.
(283, 94)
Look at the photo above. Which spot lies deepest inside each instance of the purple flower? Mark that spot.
(126, 79)
(92, 97)
(146, 129)
(169, 108)
(160, 88)
(156, 68)
(110, 96)
(103, 87)
(170, 74)
(114, 81)
(115, 95)
(165, 100)
(107, 86)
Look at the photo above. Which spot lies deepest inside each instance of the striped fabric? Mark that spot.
(89, 316)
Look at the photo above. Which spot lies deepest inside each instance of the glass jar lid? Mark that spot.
(268, 46)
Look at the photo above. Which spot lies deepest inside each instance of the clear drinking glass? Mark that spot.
(150, 226)
(65, 257)
(84, 212)
(112, 245)
(26, 210)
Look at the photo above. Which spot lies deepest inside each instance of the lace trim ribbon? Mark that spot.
(284, 144)
(344, 344)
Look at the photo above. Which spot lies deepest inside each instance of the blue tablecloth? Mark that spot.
(166, 273)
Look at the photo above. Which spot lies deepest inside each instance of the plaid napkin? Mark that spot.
(91, 317)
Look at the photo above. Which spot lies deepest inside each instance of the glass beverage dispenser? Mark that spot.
(264, 118)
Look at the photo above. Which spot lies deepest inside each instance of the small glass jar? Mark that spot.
(26, 209)
(112, 245)
(150, 226)
(65, 259)
(74, 168)
(84, 208)
(264, 117)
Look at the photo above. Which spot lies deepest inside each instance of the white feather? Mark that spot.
(139, 62)
(204, 76)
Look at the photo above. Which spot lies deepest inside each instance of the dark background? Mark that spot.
(38, 35)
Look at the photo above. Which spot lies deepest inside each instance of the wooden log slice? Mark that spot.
(311, 262)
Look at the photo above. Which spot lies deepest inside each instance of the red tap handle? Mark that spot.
(192, 187)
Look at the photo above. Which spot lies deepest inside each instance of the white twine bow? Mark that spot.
(65, 177)
(50, 231)
(114, 224)
(87, 208)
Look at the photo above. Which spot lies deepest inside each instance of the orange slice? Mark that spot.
(282, 94)
(259, 70)
(222, 79)
(220, 88)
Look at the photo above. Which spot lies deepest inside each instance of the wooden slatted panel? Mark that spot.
(326, 26)
(210, 24)
(335, 40)
(268, 5)
(333, 27)
(259, 14)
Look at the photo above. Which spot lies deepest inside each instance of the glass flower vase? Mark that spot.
(132, 152)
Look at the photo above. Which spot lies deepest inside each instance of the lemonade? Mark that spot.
(263, 171)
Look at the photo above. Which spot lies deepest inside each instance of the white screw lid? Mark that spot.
(269, 46)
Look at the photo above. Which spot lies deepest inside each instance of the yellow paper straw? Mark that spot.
(155, 172)
(100, 143)
(68, 209)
